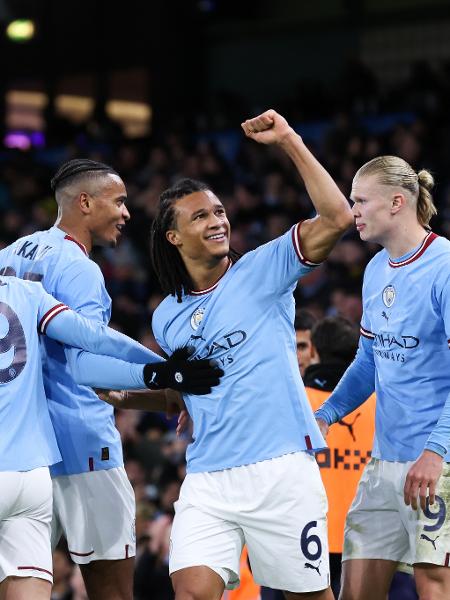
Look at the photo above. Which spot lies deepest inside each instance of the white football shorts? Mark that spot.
(25, 516)
(96, 513)
(277, 507)
(380, 525)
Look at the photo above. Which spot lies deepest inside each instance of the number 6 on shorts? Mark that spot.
(310, 544)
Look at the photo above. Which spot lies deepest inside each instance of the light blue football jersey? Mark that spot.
(405, 333)
(27, 439)
(245, 322)
(84, 425)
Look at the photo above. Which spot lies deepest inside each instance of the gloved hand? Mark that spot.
(178, 373)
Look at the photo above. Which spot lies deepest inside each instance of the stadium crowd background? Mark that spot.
(263, 197)
(346, 123)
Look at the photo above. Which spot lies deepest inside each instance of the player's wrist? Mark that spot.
(289, 139)
(435, 450)
(155, 375)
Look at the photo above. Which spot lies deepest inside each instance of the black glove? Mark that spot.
(179, 373)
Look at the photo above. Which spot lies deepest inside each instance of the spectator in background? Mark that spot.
(335, 341)
(304, 321)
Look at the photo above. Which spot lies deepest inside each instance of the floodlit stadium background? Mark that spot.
(158, 89)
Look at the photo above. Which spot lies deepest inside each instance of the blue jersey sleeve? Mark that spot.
(279, 264)
(81, 286)
(158, 322)
(48, 306)
(114, 370)
(358, 381)
(439, 439)
(356, 385)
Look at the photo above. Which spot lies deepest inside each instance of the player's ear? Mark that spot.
(84, 203)
(172, 236)
(397, 202)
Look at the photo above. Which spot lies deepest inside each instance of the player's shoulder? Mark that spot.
(438, 260)
(167, 307)
(72, 256)
(21, 286)
(439, 248)
(27, 241)
(380, 259)
(163, 314)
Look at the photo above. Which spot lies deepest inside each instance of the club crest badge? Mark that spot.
(388, 295)
(196, 318)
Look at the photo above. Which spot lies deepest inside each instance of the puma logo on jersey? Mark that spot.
(350, 425)
(425, 537)
(310, 566)
(320, 382)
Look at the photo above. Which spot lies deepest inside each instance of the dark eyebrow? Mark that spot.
(198, 212)
(202, 210)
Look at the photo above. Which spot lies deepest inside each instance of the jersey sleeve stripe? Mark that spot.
(298, 248)
(366, 333)
(49, 315)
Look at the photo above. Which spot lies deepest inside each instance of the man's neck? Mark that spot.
(206, 275)
(404, 240)
(76, 231)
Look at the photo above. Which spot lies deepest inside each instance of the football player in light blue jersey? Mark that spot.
(404, 356)
(252, 477)
(27, 440)
(91, 210)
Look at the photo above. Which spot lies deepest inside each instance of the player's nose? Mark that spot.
(125, 213)
(215, 221)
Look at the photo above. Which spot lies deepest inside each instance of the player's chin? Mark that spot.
(222, 252)
(114, 239)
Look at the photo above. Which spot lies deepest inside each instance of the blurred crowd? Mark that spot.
(263, 197)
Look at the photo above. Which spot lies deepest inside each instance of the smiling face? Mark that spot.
(374, 207)
(108, 211)
(202, 230)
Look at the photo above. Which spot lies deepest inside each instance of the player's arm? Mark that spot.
(439, 439)
(103, 366)
(80, 285)
(356, 385)
(422, 477)
(334, 216)
(166, 400)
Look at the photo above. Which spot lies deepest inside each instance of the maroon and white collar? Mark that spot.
(79, 244)
(213, 287)
(417, 254)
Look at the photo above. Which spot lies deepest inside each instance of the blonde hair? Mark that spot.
(394, 171)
